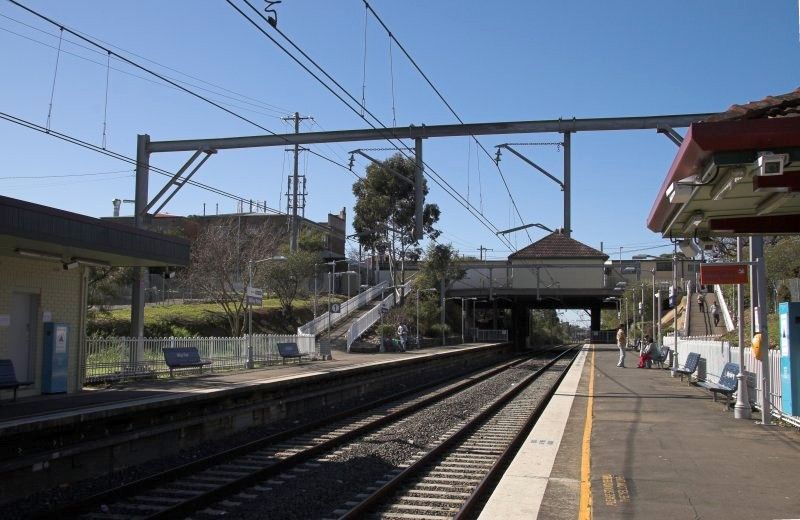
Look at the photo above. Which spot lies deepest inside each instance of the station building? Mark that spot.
(45, 255)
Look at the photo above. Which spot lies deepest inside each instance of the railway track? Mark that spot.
(452, 479)
(224, 480)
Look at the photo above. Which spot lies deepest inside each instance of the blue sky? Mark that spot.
(493, 61)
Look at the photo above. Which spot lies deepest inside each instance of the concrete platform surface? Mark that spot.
(652, 447)
(135, 393)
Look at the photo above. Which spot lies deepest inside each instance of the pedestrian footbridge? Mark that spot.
(556, 272)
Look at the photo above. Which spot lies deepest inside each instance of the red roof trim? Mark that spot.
(703, 139)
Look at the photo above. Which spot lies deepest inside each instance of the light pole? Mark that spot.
(463, 315)
(432, 289)
(741, 409)
(675, 316)
(330, 290)
(250, 363)
(444, 302)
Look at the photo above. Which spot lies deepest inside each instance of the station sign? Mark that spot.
(715, 274)
(255, 296)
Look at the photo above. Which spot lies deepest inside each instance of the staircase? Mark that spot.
(338, 337)
(701, 323)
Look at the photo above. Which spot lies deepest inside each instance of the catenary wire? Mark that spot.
(161, 77)
(485, 222)
(447, 104)
(116, 155)
(240, 97)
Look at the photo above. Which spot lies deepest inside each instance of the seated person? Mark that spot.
(646, 353)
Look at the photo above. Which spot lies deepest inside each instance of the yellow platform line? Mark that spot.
(585, 508)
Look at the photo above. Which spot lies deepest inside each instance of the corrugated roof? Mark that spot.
(784, 105)
(557, 245)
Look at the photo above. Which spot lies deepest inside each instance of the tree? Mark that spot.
(106, 282)
(440, 265)
(219, 264)
(384, 211)
(285, 277)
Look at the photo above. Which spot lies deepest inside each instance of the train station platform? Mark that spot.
(637, 443)
(53, 440)
(191, 382)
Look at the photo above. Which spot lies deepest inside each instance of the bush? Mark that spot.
(435, 330)
(386, 330)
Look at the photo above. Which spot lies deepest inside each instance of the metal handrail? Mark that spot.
(319, 323)
(368, 319)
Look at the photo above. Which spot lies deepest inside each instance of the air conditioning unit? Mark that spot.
(679, 193)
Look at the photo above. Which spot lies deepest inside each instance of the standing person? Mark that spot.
(402, 332)
(701, 302)
(715, 313)
(646, 354)
(622, 341)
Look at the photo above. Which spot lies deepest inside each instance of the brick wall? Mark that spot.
(61, 293)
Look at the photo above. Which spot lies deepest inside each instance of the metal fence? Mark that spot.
(320, 323)
(367, 320)
(110, 358)
(491, 335)
(715, 353)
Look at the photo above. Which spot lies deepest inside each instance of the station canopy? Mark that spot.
(32, 230)
(736, 173)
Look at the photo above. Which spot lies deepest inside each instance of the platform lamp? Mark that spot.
(250, 363)
(652, 272)
(432, 289)
(741, 410)
(463, 314)
(330, 290)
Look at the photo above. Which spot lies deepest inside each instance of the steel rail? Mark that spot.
(370, 503)
(488, 483)
(119, 493)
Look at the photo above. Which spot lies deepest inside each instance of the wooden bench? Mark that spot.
(727, 383)
(689, 367)
(290, 350)
(8, 378)
(183, 357)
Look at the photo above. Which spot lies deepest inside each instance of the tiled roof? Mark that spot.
(784, 105)
(557, 245)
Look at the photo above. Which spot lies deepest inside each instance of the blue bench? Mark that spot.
(727, 383)
(689, 366)
(290, 350)
(183, 357)
(8, 378)
(660, 357)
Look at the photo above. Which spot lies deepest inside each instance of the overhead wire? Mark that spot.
(240, 97)
(63, 175)
(447, 104)
(389, 137)
(163, 78)
(453, 192)
(116, 155)
(126, 72)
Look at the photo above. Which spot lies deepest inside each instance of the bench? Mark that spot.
(689, 367)
(661, 356)
(183, 357)
(727, 383)
(8, 378)
(290, 350)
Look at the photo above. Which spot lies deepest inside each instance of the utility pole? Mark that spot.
(294, 227)
(481, 250)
